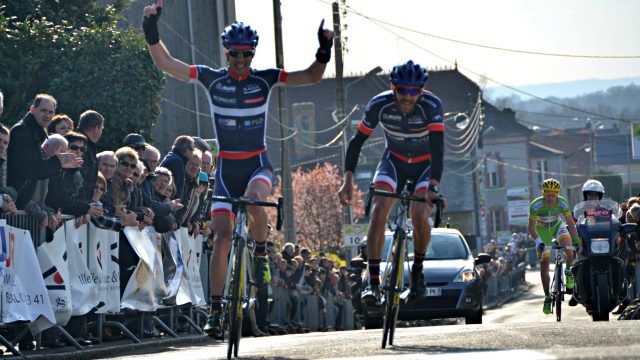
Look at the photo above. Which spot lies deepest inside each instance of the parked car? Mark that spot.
(453, 286)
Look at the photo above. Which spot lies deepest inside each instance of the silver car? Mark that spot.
(453, 286)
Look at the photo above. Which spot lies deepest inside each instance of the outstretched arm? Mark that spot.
(159, 53)
(313, 73)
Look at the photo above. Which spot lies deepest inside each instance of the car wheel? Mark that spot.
(474, 318)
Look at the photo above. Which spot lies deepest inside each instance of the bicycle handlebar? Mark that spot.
(243, 201)
(372, 191)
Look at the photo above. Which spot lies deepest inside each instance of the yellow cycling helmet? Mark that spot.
(551, 185)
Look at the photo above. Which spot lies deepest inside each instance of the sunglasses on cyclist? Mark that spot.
(77, 148)
(127, 164)
(244, 53)
(408, 91)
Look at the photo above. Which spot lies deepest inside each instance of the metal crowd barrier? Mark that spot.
(499, 287)
(23, 221)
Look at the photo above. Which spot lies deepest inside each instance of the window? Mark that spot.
(543, 169)
(493, 175)
(496, 221)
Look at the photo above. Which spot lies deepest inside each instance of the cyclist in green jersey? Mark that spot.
(545, 224)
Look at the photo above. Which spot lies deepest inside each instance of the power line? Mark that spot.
(372, 19)
(503, 84)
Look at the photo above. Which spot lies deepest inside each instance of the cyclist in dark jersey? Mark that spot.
(239, 99)
(411, 119)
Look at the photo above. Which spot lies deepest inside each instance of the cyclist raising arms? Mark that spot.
(239, 102)
(544, 225)
(411, 119)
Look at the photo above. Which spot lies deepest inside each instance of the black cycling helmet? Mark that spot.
(409, 74)
(239, 34)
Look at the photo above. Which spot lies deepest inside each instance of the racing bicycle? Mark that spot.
(392, 284)
(236, 296)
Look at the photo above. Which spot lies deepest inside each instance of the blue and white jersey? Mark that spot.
(238, 107)
(406, 135)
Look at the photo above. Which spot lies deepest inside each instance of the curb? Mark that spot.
(119, 348)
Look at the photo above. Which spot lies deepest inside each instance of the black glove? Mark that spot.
(323, 55)
(150, 27)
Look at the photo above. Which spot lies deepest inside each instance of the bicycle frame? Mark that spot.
(236, 296)
(557, 283)
(393, 279)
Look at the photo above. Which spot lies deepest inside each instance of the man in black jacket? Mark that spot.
(177, 159)
(90, 125)
(25, 164)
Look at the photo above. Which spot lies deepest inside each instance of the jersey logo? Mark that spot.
(224, 100)
(253, 101)
(226, 122)
(251, 88)
(225, 88)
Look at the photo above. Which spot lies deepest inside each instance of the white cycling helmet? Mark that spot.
(592, 186)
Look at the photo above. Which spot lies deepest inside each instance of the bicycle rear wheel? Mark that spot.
(235, 307)
(558, 291)
(393, 287)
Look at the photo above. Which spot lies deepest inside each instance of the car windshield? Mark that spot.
(443, 246)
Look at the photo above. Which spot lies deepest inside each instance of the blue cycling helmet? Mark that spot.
(239, 34)
(409, 74)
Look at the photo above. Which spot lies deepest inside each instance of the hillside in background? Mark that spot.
(617, 102)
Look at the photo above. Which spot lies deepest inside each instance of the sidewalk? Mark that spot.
(117, 348)
(529, 274)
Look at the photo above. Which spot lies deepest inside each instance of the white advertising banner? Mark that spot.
(191, 251)
(518, 205)
(146, 286)
(104, 265)
(84, 285)
(52, 257)
(24, 295)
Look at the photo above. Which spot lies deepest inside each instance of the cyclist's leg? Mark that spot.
(564, 238)
(232, 177)
(544, 257)
(259, 188)
(384, 179)
(420, 213)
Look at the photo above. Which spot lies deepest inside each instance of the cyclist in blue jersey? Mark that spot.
(411, 119)
(239, 99)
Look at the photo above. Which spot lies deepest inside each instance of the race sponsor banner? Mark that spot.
(83, 284)
(184, 291)
(191, 255)
(146, 286)
(172, 266)
(193, 265)
(52, 257)
(24, 295)
(518, 205)
(103, 264)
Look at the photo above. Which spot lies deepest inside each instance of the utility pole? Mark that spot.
(287, 191)
(346, 210)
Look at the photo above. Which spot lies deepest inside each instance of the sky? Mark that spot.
(575, 27)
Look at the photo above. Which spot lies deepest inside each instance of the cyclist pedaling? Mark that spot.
(413, 127)
(239, 103)
(546, 224)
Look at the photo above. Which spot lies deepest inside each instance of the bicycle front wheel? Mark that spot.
(393, 287)
(558, 291)
(235, 307)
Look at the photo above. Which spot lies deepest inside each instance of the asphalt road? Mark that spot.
(517, 330)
